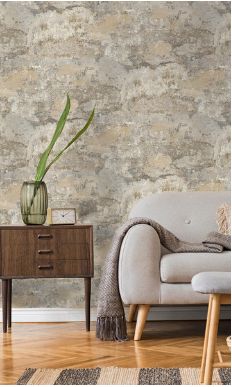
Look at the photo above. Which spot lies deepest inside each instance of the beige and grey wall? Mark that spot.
(158, 73)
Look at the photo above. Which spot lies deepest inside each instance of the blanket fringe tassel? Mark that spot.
(111, 328)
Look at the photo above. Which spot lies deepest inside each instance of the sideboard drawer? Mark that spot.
(62, 268)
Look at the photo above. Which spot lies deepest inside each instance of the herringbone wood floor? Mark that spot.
(67, 345)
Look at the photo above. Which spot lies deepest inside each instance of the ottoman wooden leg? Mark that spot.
(205, 341)
(212, 338)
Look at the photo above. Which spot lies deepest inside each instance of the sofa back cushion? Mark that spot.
(189, 215)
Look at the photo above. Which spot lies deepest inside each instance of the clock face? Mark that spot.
(63, 216)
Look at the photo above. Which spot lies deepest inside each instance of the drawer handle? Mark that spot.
(45, 251)
(44, 267)
(44, 236)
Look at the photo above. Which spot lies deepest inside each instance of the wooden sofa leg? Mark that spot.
(141, 319)
(132, 311)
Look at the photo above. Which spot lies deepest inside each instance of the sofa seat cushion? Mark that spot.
(181, 267)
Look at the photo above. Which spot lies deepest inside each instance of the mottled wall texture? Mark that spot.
(158, 73)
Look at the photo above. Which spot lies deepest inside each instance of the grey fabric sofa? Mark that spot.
(151, 275)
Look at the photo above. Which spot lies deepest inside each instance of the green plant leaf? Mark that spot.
(79, 133)
(40, 172)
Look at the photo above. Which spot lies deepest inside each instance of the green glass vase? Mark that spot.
(34, 202)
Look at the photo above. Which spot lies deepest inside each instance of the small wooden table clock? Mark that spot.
(61, 216)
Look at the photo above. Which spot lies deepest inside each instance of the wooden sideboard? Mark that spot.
(60, 251)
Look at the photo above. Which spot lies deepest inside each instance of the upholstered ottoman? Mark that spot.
(218, 285)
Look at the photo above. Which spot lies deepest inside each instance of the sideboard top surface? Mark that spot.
(53, 226)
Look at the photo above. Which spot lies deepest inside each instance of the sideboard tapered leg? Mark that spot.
(87, 302)
(9, 302)
(4, 304)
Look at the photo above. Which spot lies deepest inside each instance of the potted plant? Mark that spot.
(34, 197)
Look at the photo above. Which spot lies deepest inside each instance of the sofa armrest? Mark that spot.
(139, 266)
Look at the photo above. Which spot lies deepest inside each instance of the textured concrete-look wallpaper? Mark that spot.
(159, 75)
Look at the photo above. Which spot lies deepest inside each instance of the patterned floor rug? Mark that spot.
(120, 376)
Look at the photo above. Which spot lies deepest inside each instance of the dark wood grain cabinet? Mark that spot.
(45, 252)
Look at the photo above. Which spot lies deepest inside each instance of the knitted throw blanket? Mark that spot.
(111, 323)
